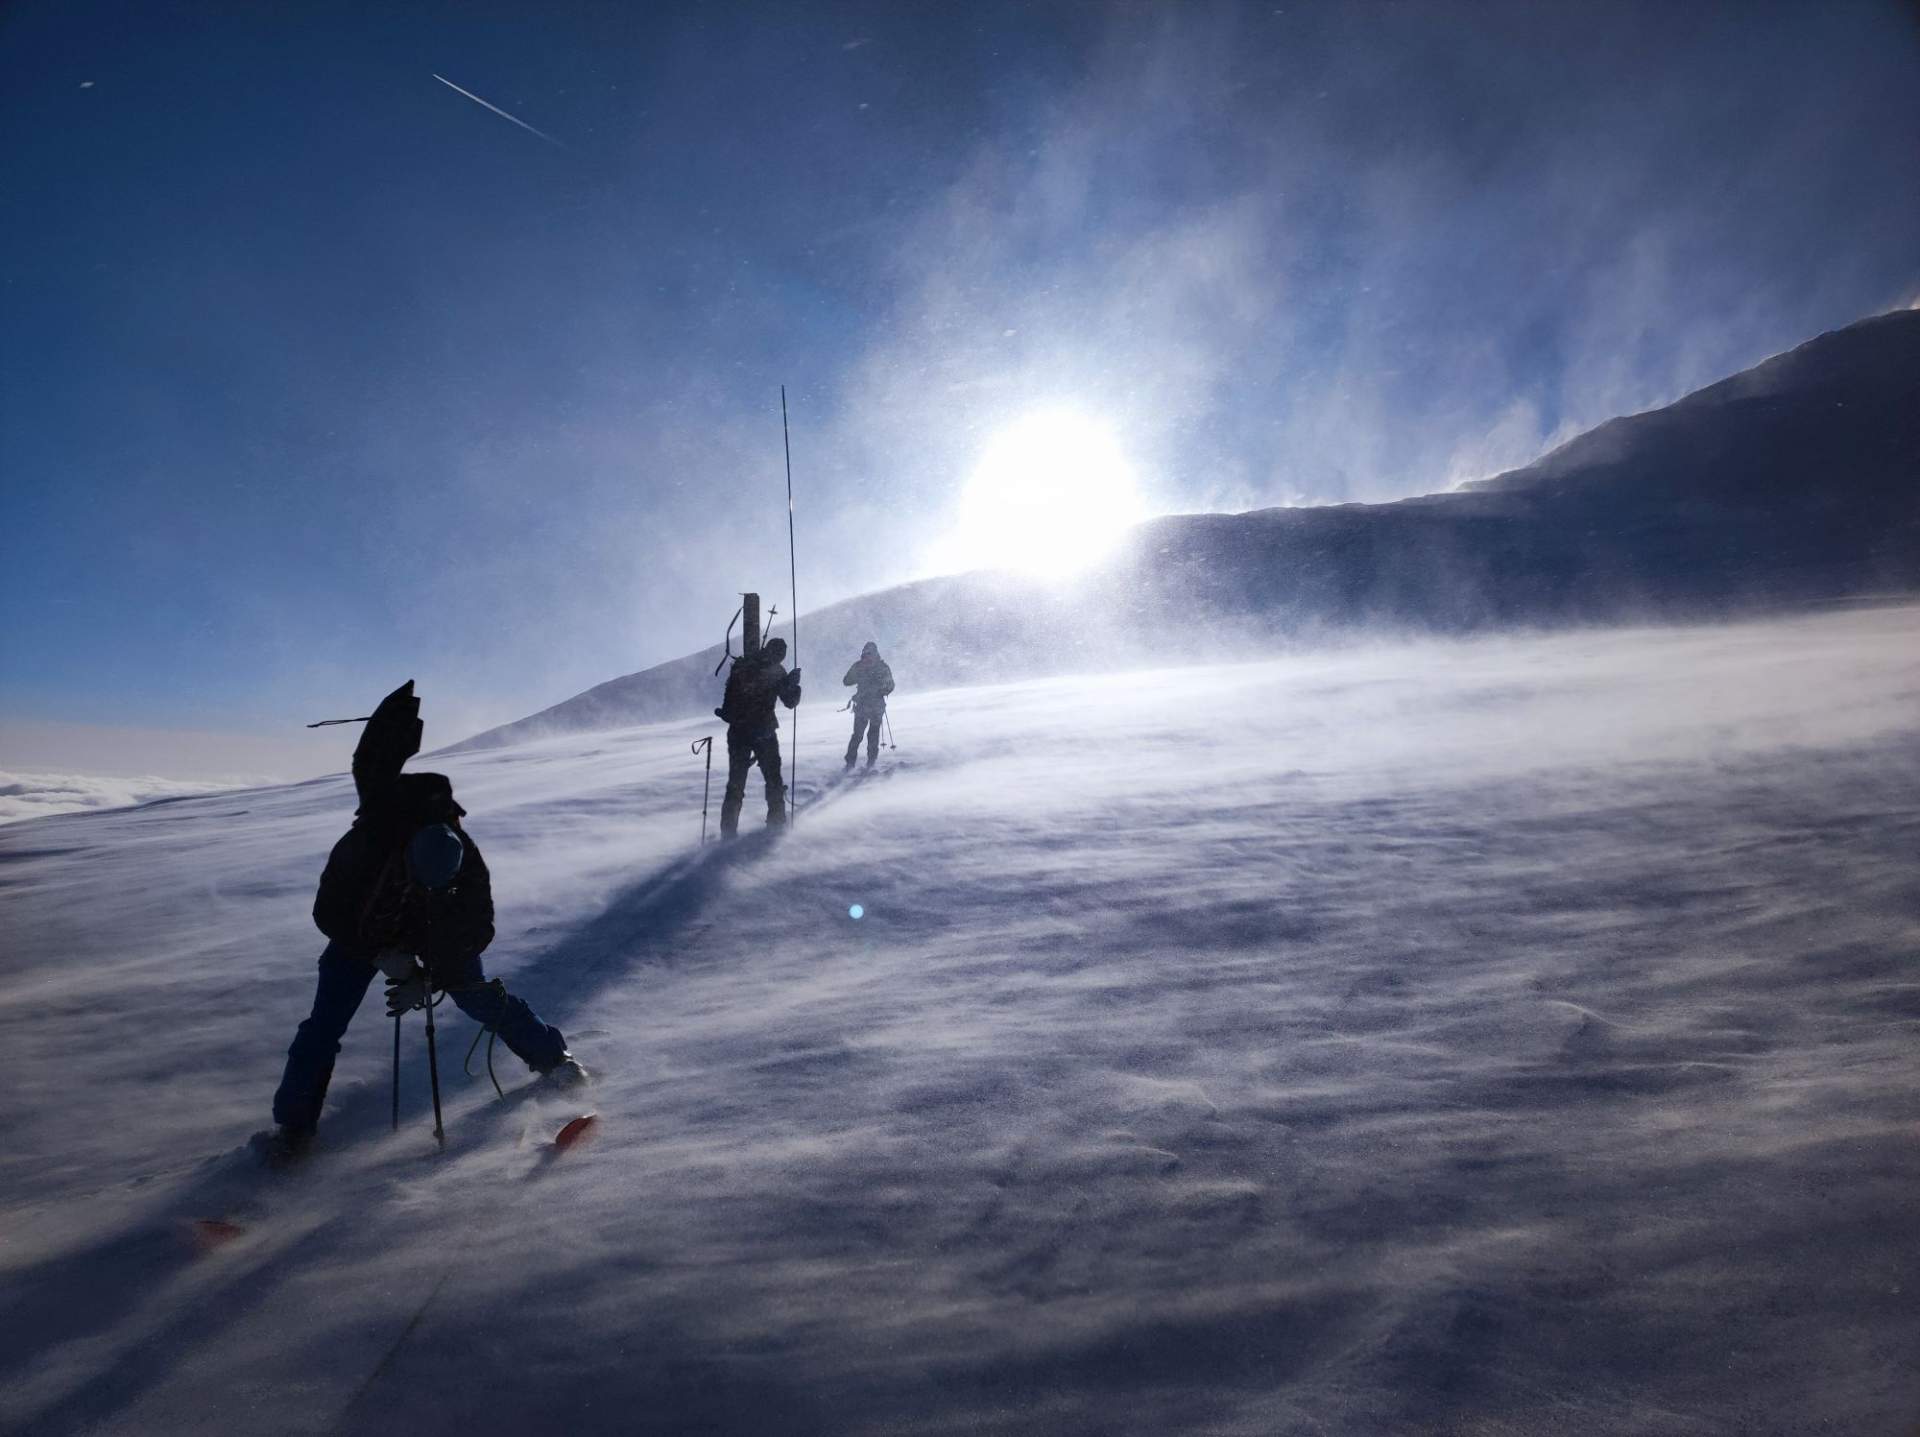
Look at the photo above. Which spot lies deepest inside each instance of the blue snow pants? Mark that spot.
(344, 976)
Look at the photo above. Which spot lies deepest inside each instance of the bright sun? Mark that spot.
(1052, 493)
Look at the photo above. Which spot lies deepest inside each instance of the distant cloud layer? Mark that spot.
(37, 795)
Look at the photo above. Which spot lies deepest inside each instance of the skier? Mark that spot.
(753, 733)
(875, 682)
(405, 892)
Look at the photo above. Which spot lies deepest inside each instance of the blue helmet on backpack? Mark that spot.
(434, 856)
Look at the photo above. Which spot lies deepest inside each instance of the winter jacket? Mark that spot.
(752, 687)
(447, 929)
(391, 809)
(366, 900)
(875, 682)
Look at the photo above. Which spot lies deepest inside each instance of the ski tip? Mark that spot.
(210, 1234)
(577, 1131)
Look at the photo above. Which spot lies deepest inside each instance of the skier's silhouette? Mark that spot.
(874, 682)
(757, 681)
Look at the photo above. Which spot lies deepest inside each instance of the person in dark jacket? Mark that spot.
(875, 681)
(753, 731)
(380, 912)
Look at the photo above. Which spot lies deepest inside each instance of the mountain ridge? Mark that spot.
(1789, 483)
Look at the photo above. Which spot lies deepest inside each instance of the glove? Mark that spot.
(396, 963)
(391, 737)
(407, 994)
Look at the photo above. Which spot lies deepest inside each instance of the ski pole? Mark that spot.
(889, 718)
(433, 1074)
(433, 1057)
(707, 788)
(793, 576)
(396, 1072)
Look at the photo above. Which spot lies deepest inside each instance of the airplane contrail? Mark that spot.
(498, 111)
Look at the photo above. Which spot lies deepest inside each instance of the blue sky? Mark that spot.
(315, 376)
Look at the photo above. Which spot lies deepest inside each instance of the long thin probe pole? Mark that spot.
(793, 576)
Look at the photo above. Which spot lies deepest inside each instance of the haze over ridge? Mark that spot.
(1788, 483)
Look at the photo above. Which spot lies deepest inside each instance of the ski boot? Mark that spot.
(284, 1147)
(568, 1073)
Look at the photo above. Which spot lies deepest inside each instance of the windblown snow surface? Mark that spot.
(1514, 1036)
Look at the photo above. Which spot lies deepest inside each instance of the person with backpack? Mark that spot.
(874, 682)
(756, 681)
(405, 892)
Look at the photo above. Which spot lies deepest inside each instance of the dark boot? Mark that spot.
(284, 1146)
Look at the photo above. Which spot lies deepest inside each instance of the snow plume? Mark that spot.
(1305, 256)
(37, 795)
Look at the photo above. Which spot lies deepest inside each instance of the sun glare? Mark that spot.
(1052, 493)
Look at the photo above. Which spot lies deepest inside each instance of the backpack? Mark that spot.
(371, 855)
(746, 691)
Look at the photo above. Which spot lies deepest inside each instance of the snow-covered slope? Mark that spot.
(1794, 483)
(1507, 1036)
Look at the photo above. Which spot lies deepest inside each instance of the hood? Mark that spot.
(415, 799)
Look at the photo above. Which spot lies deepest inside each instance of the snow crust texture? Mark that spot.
(1508, 1036)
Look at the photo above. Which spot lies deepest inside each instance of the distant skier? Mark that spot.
(405, 892)
(753, 731)
(875, 681)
